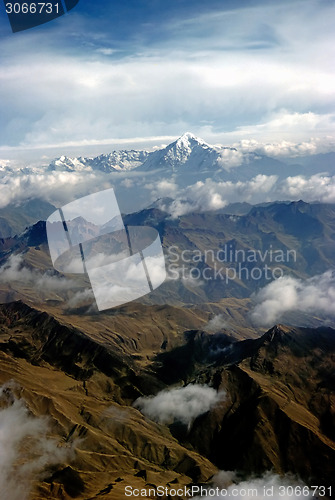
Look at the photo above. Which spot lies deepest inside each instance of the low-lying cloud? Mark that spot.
(182, 404)
(211, 195)
(216, 323)
(318, 187)
(230, 158)
(136, 190)
(54, 187)
(314, 295)
(15, 270)
(25, 448)
(80, 298)
(227, 484)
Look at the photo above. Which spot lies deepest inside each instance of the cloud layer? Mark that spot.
(259, 71)
(183, 404)
(136, 190)
(53, 186)
(212, 195)
(15, 270)
(260, 488)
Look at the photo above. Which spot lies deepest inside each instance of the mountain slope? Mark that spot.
(85, 388)
(197, 246)
(280, 395)
(186, 153)
(189, 157)
(14, 219)
(278, 412)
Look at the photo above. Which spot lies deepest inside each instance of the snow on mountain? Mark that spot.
(8, 166)
(112, 162)
(187, 153)
(120, 160)
(69, 164)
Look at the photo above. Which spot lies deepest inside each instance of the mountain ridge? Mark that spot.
(188, 153)
(277, 408)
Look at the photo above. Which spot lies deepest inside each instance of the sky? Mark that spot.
(138, 74)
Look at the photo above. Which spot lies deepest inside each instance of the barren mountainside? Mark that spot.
(278, 412)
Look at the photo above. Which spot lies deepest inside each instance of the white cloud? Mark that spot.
(131, 188)
(56, 187)
(287, 148)
(15, 270)
(231, 158)
(318, 187)
(162, 188)
(216, 323)
(25, 449)
(287, 123)
(183, 404)
(211, 195)
(83, 297)
(127, 183)
(314, 295)
(262, 74)
(106, 51)
(227, 484)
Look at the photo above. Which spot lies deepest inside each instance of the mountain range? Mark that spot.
(196, 246)
(189, 155)
(190, 158)
(195, 175)
(87, 375)
(182, 386)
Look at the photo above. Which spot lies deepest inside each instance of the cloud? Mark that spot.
(216, 323)
(132, 189)
(183, 404)
(56, 187)
(83, 297)
(25, 449)
(15, 270)
(106, 51)
(314, 295)
(230, 158)
(318, 187)
(244, 70)
(287, 148)
(228, 484)
(210, 195)
(162, 188)
(284, 124)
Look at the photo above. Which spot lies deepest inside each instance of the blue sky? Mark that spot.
(140, 73)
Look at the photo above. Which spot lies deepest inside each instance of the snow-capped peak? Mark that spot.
(188, 140)
(188, 152)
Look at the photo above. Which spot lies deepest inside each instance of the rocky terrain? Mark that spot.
(277, 414)
(76, 384)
